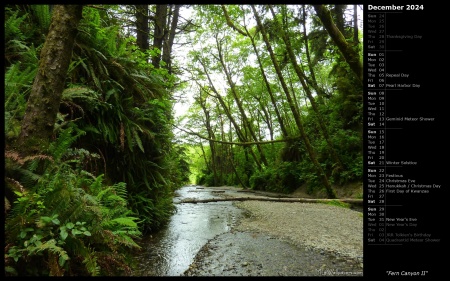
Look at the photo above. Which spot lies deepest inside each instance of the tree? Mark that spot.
(169, 38)
(261, 67)
(280, 79)
(142, 28)
(44, 101)
(302, 78)
(330, 191)
(351, 56)
(159, 30)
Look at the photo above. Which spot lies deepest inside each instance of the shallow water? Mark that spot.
(170, 251)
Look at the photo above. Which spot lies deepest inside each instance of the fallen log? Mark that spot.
(299, 200)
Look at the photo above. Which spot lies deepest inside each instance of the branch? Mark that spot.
(230, 23)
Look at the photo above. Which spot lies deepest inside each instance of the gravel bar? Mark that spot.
(329, 228)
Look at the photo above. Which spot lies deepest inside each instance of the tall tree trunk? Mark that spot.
(142, 28)
(299, 123)
(350, 55)
(159, 31)
(212, 144)
(355, 25)
(233, 165)
(170, 37)
(45, 97)
(340, 19)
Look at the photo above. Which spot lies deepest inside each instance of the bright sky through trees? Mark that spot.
(184, 98)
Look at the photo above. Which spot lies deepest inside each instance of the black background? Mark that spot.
(421, 142)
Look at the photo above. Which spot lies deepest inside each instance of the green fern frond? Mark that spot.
(107, 194)
(12, 25)
(97, 60)
(101, 55)
(121, 189)
(123, 238)
(122, 222)
(109, 134)
(28, 178)
(143, 78)
(85, 67)
(64, 141)
(90, 261)
(76, 61)
(17, 85)
(94, 77)
(96, 186)
(43, 15)
(111, 41)
(138, 140)
(91, 129)
(50, 246)
(119, 67)
(80, 92)
(17, 45)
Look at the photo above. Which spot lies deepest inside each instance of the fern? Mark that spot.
(126, 222)
(90, 261)
(73, 204)
(17, 86)
(64, 141)
(87, 94)
(138, 140)
(51, 246)
(124, 238)
(12, 25)
(121, 189)
(96, 186)
(43, 15)
(104, 194)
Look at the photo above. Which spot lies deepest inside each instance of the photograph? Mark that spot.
(222, 140)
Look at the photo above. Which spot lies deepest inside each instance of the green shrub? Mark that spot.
(66, 221)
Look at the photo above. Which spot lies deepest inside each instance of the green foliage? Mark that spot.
(69, 220)
(180, 162)
(14, 25)
(20, 68)
(42, 13)
(17, 86)
(206, 179)
(110, 172)
(23, 39)
(116, 105)
(284, 178)
(120, 101)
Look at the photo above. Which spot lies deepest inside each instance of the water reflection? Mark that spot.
(170, 251)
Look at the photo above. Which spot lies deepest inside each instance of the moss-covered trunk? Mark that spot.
(350, 55)
(45, 97)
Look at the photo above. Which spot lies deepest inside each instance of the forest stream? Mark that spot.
(200, 240)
